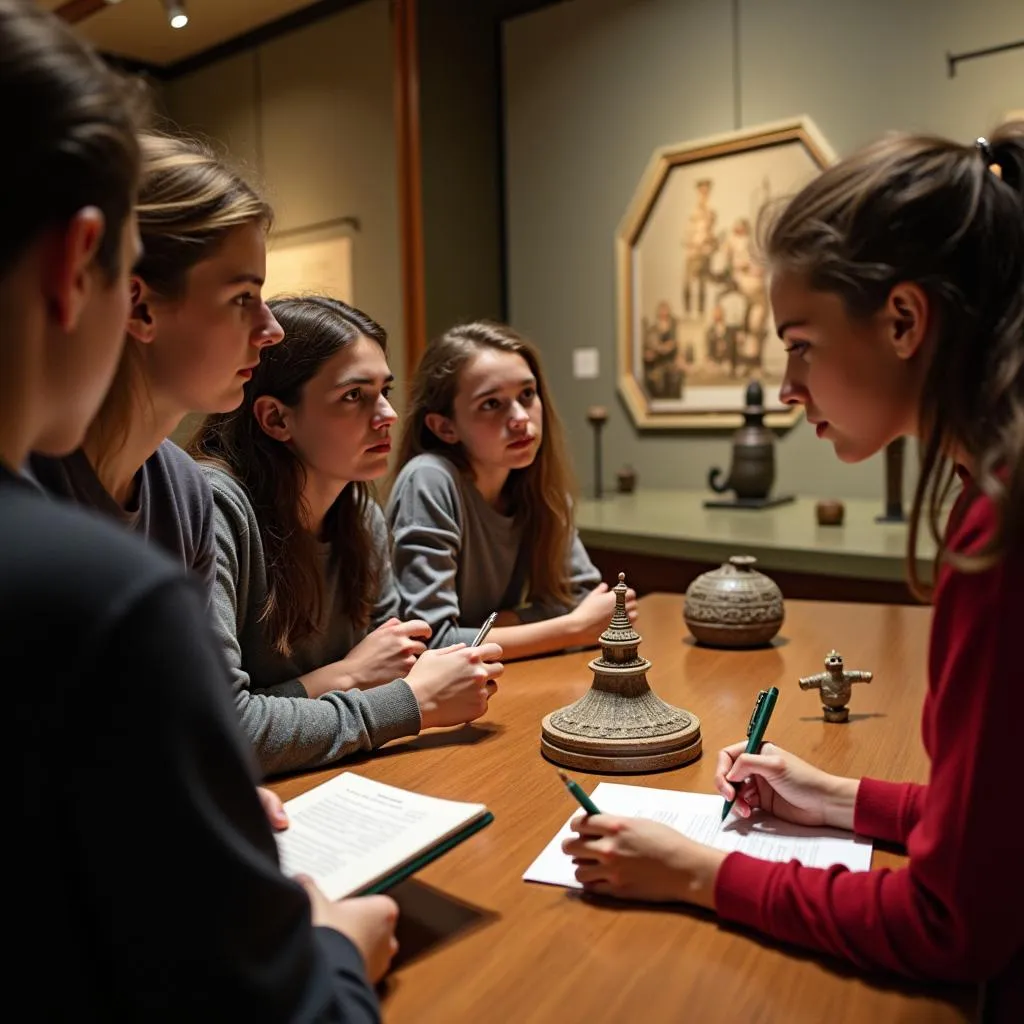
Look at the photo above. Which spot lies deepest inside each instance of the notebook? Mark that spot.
(354, 836)
(698, 815)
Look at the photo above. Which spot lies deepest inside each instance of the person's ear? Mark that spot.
(141, 320)
(273, 416)
(441, 427)
(907, 314)
(71, 265)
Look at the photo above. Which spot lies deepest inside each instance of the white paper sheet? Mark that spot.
(698, 815)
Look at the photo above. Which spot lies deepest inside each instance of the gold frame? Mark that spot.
(800, 130)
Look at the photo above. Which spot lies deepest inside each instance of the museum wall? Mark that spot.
(592, 87)
(311, 114)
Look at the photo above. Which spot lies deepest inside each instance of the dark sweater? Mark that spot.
(149, 886)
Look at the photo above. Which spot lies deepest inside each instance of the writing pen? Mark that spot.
(755, 733)
(484, 630)
(577, 791)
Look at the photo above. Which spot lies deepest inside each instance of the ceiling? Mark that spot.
(138, 29)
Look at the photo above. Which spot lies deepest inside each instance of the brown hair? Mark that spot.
(540, 495)
(926, 210)
(315, 328)
(189, 200)
(72, 122)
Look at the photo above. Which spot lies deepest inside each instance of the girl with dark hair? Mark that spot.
(127, 760)
(305, 601)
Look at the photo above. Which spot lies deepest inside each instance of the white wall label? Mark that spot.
(585, 363)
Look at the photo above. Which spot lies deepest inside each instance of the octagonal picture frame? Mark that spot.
(694, 323)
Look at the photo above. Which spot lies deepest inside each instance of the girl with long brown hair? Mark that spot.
(196, 330)
(481, 510)
(304, 601)
(898, 290)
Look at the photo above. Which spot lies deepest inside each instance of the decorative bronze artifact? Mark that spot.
(620, 724)
(753, 460)
(836, 686)
(734, 605)
(597, 416)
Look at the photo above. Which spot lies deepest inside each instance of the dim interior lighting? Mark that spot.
(176, 15)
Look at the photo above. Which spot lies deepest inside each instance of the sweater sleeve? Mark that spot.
(949, 915)
(583, 577)
(388, 603)
(290, 731)
(425, 517)
(888, 810)
(222, 934)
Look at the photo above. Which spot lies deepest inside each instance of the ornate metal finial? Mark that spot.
(620, 724)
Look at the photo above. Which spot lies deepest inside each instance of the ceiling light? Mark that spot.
(176, 15)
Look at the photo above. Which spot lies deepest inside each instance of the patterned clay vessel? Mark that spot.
(734, 605)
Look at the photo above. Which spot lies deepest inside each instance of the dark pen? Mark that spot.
(755, 735)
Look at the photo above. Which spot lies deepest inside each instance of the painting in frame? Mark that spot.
(694, 321)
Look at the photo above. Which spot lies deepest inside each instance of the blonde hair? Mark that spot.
(540, 495)
(189, 200)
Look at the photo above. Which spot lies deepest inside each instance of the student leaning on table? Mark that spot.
(481, 510)
(304, 601)
(898, 290)
(148, 884)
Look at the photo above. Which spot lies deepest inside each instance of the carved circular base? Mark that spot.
(836, 714)
(600, 754)
(709, 634)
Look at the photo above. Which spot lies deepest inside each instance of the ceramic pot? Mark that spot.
(627, 480)
(734, 605)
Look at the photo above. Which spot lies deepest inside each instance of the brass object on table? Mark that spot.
(836, 686)
(620, 724)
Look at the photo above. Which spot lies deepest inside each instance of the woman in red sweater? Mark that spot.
(898, 291)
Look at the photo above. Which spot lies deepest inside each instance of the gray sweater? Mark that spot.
(456, 559)
(172, 506)
(289, 730)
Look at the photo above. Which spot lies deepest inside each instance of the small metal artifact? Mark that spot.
(836, 686)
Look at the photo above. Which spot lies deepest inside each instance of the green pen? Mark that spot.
(577, 791)
(755, 734)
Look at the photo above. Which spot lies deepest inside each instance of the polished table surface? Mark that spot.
(479, 944)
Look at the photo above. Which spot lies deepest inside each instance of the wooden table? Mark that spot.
(479, 944)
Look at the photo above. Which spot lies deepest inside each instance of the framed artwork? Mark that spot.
(694, 323)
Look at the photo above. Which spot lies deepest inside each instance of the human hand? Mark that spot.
(369, 921)
(272, 808)
(590, 618)
(452, 685)
(389, 652)
(782, 784)
(638, 859)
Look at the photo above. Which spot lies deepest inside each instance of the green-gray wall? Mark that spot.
(592, 87)
(311, 114)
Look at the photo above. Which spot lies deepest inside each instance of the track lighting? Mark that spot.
(176, 15)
